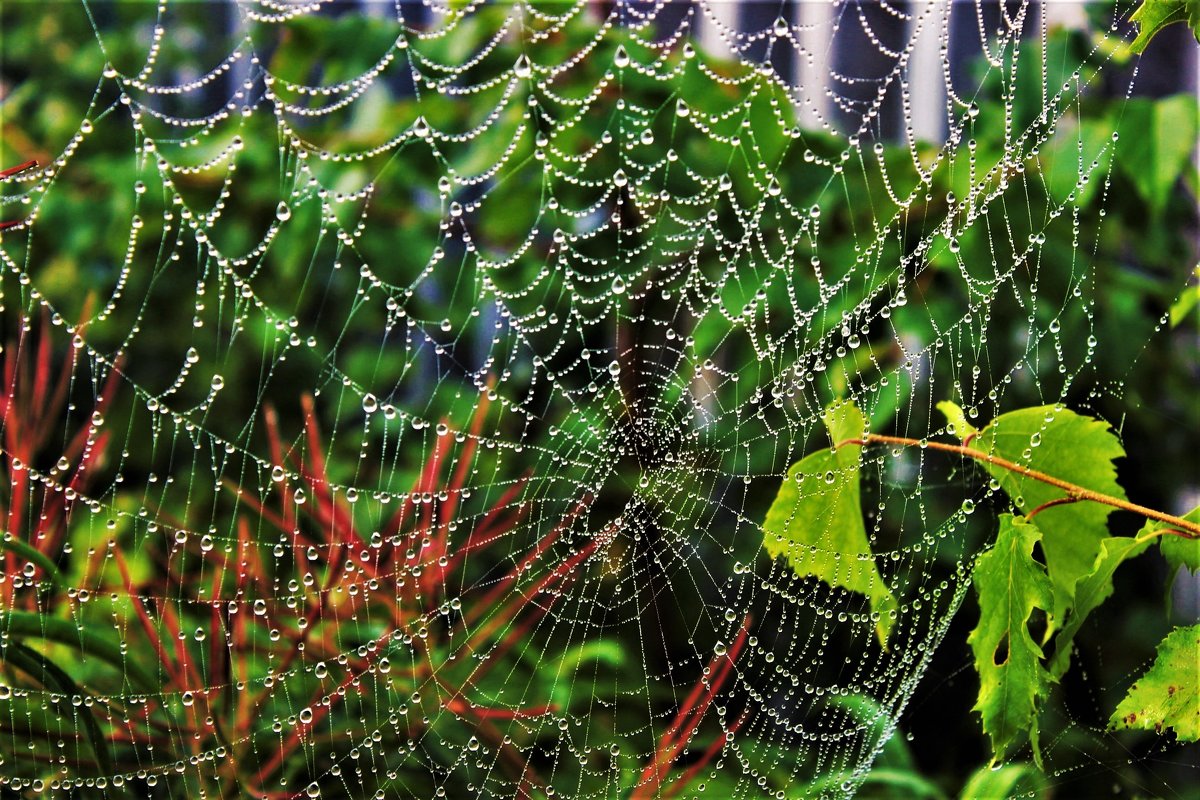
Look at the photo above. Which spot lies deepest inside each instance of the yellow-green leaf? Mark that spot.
(1168, 695)
(816, 520)
(1010, 584)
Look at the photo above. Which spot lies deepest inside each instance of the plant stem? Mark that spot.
(1074, 492)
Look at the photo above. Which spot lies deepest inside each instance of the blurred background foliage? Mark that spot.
(1139, 303)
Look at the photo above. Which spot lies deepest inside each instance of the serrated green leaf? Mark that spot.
(1091, 591)
(1010, 584)
(1154, 15)
(816, 521)
(1158, 141)
(1168, 695)
(1074, 448)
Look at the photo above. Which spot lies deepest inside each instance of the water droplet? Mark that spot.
(621, 57)
(283, 212)
(370, 404)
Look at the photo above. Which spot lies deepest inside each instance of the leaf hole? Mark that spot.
(1037, 624)
(1001, 654)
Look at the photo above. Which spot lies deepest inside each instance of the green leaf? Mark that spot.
(1012, 681)
(40, 626)
(1188, 300)
(17, 547)
(816, 521)
(1011, 780)
(1074, 448)
(958, 420)
(1179, 551)
(1091, 591)
(1168, 695)
(50, 675)
(1154, 15)
(879, 782)
(1156, 143)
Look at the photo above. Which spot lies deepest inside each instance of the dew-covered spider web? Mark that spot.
(394, 393)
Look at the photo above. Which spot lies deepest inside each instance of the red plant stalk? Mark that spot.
(30, 407)
(433, 523)
(687, 720)
(493, 597)
(320, 710)
(717, 745)
(514, 608)
(8, 173)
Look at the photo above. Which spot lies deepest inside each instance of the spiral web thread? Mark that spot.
(424, 450)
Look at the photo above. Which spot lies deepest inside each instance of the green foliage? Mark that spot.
(1056, 466)
(1154, 15)
(1179, 551)
(1188, 300)
(1163, 139)
(1013, 682)
(1135, 268)
(1010, 780)
(1092, 590)
(1168, 695)
(816, 520)
(1058, 442)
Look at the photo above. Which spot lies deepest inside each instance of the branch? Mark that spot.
(1074, 492)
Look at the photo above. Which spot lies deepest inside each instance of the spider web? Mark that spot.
(426, 387)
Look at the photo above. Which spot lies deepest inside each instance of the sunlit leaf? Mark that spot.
(816, 520)
(1168, 695)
